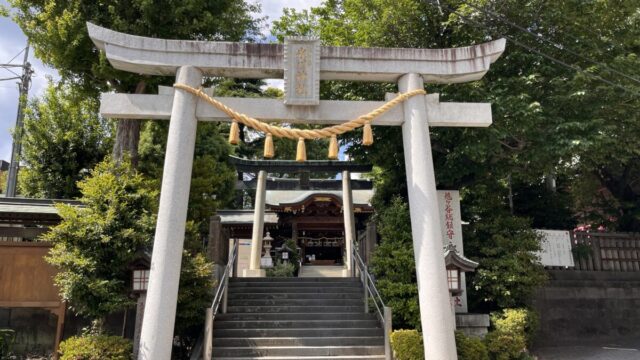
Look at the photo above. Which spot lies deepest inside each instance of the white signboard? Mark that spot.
(451, 223)
(244, 254)
(556, 248)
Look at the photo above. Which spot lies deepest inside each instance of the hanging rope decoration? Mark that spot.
(330, 132)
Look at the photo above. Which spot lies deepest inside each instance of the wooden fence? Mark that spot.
(605, 251)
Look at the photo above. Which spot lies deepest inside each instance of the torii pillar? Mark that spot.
(302, 62)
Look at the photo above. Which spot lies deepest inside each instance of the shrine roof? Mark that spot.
(37, 211)
(285, 197)
(245, 216)
(274, 184)
(453, 257)
(246, 165)
(32, 206)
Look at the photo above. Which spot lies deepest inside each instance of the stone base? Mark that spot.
(254, 273)
(473, 324)
(347, 273)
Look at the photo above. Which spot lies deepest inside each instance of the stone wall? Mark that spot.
(35, 329)
(579, 305)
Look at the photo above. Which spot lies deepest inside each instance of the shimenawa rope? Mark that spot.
(300, 134)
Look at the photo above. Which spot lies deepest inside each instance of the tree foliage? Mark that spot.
(95, 242)
(212, 178)
(393, 265)
(63, 139)
(58, 33)
(550, 122)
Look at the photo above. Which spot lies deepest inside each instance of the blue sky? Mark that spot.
(12, 41)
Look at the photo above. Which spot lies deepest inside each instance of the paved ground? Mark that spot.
(321, 271)
(628, 349)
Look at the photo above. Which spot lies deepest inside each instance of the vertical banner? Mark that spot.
(451, 222)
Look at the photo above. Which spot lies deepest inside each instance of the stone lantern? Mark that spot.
(456, 264)
(266, 261)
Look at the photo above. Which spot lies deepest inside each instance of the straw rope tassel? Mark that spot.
(333, 148)
(234, 133)
(269, 151)
(301, 154)
(367, 134)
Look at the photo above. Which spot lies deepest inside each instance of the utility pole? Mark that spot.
(23, 86)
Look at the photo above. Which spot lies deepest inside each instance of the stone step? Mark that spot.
(353, 357)
(283, 324)
(333, 284)
(294, 279)
(293, 289)
(297, 351)
(294, 316)
(299, 341)
(297, 332)
(299, 295)
(294, 309)
(297, 302)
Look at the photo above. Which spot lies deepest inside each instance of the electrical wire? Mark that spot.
(13, 58)
(539, 36)
(529, 48)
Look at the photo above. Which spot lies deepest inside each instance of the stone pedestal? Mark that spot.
(473, 324)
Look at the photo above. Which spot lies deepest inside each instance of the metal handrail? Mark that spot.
(219, 298)
(371, 291)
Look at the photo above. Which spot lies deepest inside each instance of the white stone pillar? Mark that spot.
(349, 222)
(156, 338)
(435, 308)
(258, 228)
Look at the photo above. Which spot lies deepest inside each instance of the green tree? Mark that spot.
(212, 178)
(549, 121)
(95, 242)
(63, 139)
(57, 31)
(393, 265)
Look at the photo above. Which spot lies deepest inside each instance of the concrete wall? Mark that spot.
(35, 329)
(578, 305)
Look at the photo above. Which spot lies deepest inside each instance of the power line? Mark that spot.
(13, 58)
(546, 56)
(539, 36)
(11, 78)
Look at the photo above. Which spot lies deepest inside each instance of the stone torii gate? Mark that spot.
(303, 63)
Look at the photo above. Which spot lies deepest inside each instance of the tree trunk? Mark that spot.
(128, 135)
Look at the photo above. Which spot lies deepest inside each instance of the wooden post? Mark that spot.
(597, 257)
(60, 312)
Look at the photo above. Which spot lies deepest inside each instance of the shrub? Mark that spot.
(513, 331)
(282, 269)
(407, 345)
(96, 347)
(520, 321)
(470, 348)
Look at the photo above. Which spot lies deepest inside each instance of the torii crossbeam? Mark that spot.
(303, 63)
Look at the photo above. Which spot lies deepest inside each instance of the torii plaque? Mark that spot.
(189, 61)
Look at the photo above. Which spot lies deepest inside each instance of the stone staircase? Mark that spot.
(296, 318)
